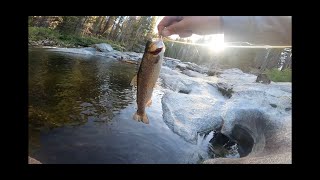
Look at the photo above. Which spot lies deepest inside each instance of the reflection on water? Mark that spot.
(64, 89)
(81, 108)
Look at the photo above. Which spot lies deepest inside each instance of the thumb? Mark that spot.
(175, 28)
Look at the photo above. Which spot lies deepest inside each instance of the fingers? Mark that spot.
(181, 27)
(167, 21)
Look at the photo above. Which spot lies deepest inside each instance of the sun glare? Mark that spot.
(216, 44)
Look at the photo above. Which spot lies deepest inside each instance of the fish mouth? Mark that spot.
(156, 47)
(157, 51)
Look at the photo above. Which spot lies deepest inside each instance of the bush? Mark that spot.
(40, 33)
(279, 76)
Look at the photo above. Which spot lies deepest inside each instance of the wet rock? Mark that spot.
(103, 47)
(261, 131)
(225, 89)
(186, 121)
(171, 62)
(273, 105)
(263, 78)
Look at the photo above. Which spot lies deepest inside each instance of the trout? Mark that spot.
(147, 76)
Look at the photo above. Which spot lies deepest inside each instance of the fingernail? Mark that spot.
(165, 32)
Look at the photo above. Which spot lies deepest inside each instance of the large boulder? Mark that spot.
(171, 62)
(189, 121)
(103, 47)
(257, 116)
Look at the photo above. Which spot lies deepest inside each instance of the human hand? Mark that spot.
(185, 26)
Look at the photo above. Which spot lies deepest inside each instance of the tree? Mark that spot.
(79, 25)
(108, 24)
(127, 29)
(118, 28)
(97, 25)
(109, 35)
(68, 24)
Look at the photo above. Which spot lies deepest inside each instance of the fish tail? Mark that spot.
(141, 117)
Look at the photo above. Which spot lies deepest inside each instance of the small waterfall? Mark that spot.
(200, 150)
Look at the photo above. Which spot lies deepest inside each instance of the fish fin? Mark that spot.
(149, 103)
(134, 81)
(142, 118)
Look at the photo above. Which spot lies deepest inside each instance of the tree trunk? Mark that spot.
(113, 27)
(78, 26)
(116, 31)
(108, 24)
(128, 30)
(97, 25)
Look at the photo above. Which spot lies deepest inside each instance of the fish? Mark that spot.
(147, 76)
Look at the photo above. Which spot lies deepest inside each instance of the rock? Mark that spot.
(190, 66)
(251, 121)
(195, 67)
(263, 78)
(287, 109)
(170, 62)
(249, 117)
(225, 89)
(168, 71)
(273, 105)
(133, 54)
(213, 72)
(138, 48)
(235, 76)
(191, 73)
(103, 47)
(282, 158)
(181, 66)
(189, 121)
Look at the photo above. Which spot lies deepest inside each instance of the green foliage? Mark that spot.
(41, 33)
(279, 76)
(71, 31)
